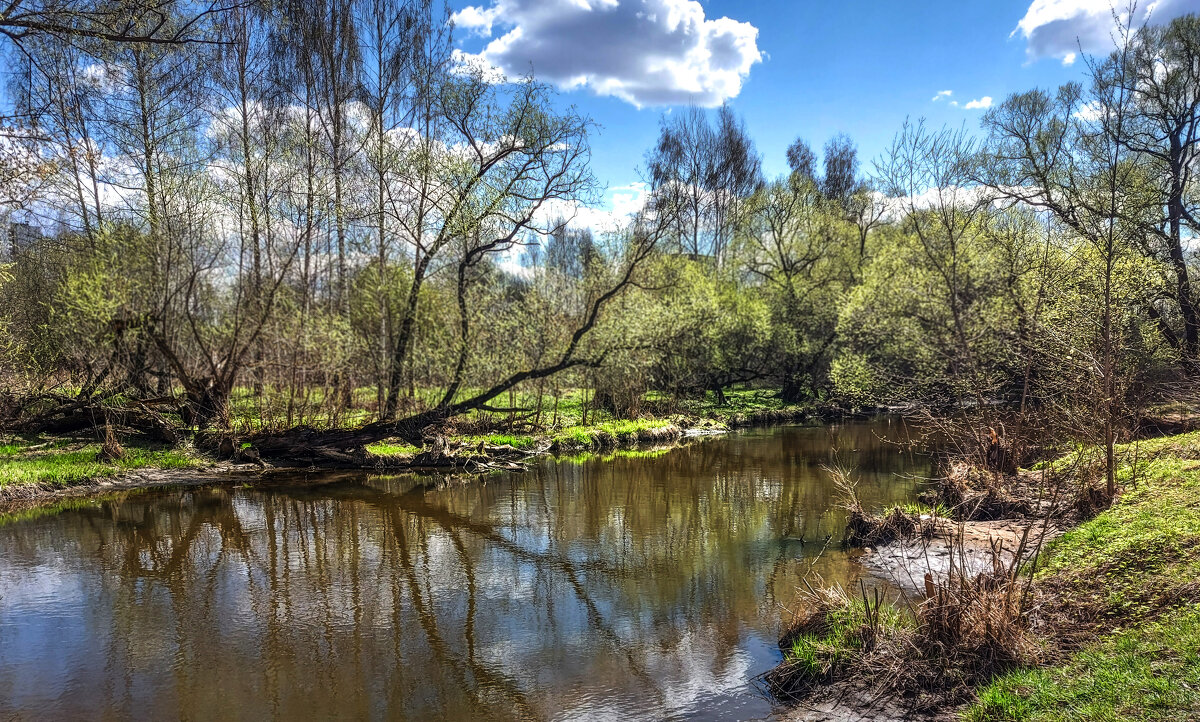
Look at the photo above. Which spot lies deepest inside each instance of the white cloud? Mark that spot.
(1068, 60)
(979, 103)
(1059, 28)
(476, 20)
(468, 62)
(623, 202)
(942, 94)
(652, 52)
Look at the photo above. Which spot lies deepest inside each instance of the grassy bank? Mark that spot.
(1120, 596)
(61, 462)
(1105, 625)
(601, 436)
(569, 423)
(568, 408)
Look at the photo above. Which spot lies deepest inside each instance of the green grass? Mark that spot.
(1150, 672)
(389, 448)
(939, 510)
(815, 656)
(1133, 573)
(1132, 558)
(575, 436)
(621, 430)
(513, 440)
(57, 465)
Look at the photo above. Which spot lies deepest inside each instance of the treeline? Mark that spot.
(317, 201)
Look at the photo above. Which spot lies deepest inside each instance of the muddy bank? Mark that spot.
(968, 548)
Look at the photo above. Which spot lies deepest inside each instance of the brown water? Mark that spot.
(635, 587)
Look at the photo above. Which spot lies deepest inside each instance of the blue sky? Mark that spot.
(855, 66)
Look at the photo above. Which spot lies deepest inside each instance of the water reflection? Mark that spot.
(644, 586)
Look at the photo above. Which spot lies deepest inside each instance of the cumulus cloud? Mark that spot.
(1058, 28)
(614, 213)
(942, 94)
(646, 52)
(979, 103)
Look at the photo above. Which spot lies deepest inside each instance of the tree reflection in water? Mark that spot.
(639, 586)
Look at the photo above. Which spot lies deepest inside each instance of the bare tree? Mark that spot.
(715, 170)
(165, 22)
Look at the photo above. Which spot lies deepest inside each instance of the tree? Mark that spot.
(841, 169)
(165, 22)
(797, 249)
(801, 159)
(1069, 155)
(1158, 76)
(712, 171)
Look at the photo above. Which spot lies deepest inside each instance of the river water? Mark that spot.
(644, 585)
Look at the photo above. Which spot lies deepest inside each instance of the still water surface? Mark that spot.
(641, 586)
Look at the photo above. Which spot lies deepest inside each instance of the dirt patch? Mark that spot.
(855, 702)
(963, 547)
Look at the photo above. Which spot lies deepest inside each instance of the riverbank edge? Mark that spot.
(1102, 643)
(466, 454)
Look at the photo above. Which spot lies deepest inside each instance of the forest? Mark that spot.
(321, 209)
(319, 215)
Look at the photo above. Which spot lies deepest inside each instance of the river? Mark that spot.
(641, 585)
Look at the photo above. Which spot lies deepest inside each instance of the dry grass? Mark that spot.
(864, 529)
(930, 651)
(975, 494)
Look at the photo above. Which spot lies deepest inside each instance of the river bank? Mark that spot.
(1103, 623)
(37, 467)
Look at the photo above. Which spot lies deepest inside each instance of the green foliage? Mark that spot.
(910, 331)
(388, 448)
(852, 375)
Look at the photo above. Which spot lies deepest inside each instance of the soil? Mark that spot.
(852, 702)
(905, 563)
